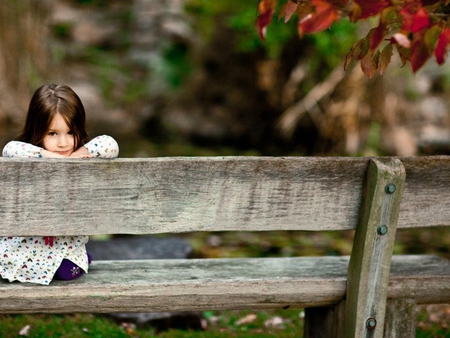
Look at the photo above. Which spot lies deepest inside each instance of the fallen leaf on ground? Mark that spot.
(25, 331)
(274, 322)
(250, 318)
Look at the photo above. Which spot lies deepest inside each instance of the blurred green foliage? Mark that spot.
(331, 46)
(176, 66)
(241, 16)
(116, 79)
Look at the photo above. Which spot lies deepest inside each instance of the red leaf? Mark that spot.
(291, 8)
(421, 20)
(355, 12)
(420, 53)
(404, 53)
(282, 12)
(368, 65)
(442, 47)
(365, 46)
(385, 58)
(266, 9)
(414, 21)
(356, 47)
(371, 7)
(323, 17)
(431, 37)
(287, 10)
(378, 35)
(304, 9)
(408, 20)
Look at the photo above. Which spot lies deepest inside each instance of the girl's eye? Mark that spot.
(52, 133)
(70, 132)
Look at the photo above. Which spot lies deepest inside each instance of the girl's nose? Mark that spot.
(62, 141)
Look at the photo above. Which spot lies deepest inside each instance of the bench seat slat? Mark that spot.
(196, 284)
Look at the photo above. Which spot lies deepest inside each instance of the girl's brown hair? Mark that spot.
(48, 101)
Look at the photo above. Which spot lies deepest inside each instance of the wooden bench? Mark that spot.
(359, 296)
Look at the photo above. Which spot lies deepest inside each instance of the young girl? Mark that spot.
(54, 128)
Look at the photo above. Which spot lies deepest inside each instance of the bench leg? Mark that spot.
(328, 322)
(325, 322)
(400, 320)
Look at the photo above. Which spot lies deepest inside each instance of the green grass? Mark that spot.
(74, 326)
(433, 321)
(225, 324)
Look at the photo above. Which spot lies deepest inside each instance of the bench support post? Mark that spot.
(370, 261)
(329, 322)
(325, 322)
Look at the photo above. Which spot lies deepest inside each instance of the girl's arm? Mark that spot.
(21, 150)
(103, 147)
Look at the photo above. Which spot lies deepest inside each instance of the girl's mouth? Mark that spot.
(66, 152)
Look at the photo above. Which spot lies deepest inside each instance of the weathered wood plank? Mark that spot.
(141, 196)
(400, 319)
(178, 195)
(426, 194)
(370, 261)
(220, 284)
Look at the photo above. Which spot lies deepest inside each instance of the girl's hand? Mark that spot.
(81, 152)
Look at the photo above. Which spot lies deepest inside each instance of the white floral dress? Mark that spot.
(35, 259)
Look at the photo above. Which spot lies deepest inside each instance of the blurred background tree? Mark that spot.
(192, 77)
(24, 57)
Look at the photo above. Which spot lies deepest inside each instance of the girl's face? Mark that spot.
(59, 138)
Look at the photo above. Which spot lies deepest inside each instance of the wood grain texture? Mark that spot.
(220, 284)
(157, 195)
(426, 194)
(370, 261)
(400, 319)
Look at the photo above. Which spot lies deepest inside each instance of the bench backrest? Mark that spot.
(166, 195)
